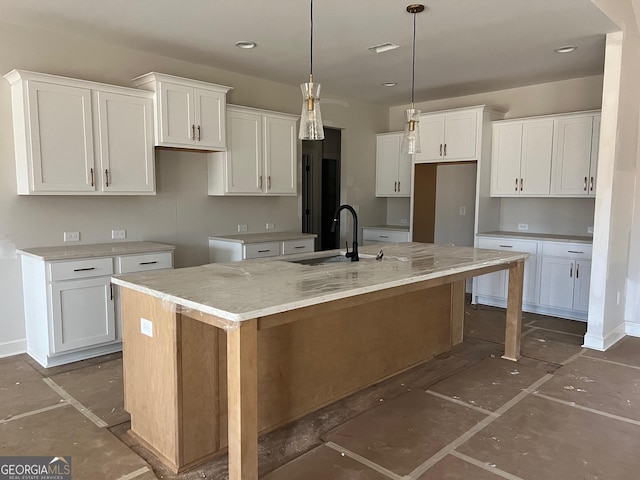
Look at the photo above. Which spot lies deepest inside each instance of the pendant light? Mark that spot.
(411, 137)
(311, 120)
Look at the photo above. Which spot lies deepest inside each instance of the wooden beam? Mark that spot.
(513, 329)
(458, 290)
(242, 398)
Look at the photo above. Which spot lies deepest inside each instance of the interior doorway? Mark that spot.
(321, 187)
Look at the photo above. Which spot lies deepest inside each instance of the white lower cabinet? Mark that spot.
(234, 248)
(556, 277)
(372, 235)
(71, 307)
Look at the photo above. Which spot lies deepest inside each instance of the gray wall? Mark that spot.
(455, 188)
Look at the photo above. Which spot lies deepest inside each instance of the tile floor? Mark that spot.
(562, 412)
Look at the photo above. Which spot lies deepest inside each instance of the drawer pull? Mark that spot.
(264, 251)
(574, 251)
(300, 246)
(577, 270)
(148, 263)
(505, 246)
(84, 269)
(383, 236)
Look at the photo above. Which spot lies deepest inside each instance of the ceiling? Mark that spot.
(463, 46)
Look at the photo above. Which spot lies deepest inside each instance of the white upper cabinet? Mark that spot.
(448, 136)
(74, 137)
(521, 158)
(190, 113)
(576, 155)
(261, 156)
(393, 168)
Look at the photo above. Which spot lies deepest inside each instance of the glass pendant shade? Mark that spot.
(411, 137)
(311, 127)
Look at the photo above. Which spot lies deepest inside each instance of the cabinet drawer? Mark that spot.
(380, 235)
(260, 250)
(144, 262)
(70, 270)
(501, 243)
(567, 250)
(298, 246)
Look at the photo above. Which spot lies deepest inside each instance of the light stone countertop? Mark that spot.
(254, 288)
(399, 228)
(70, 252)
(540, 236)
(246, 238)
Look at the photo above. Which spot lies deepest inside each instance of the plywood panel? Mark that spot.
(424, 202)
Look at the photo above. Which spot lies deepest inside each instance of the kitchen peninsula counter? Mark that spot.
(241, 348)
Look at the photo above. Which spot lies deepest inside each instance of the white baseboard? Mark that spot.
(598, 342)
(632, 329)
(16, 347)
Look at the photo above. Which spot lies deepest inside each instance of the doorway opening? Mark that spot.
(321, 187)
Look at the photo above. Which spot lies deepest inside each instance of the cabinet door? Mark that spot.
(535, 167)
(387, 157)
(573, 155)
(280, 142)
(178, 118)
(125, 136)
(431, 138)
(530, 277)
(83, 313)
(492, 285)
(405, 164)
(61, 138)
(209, 120)
(582, 286)
(505, 159)
(595, 147)
(556, 282)
(244, 153)
(460, 133)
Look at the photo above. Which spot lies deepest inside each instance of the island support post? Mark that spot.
(514, 312)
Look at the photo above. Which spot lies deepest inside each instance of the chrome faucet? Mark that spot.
(353, 254)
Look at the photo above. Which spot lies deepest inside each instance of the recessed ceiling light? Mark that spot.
(566, 49)
(383, 47)
(389, 84)
(245, 44)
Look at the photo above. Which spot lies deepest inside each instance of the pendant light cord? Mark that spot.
(413, 62)
(311, 45)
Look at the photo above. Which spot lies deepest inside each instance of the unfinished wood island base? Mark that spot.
(236, 350)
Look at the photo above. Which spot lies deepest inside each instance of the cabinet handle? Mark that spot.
(577, 270)
(111, 289)
(395, 186)
(264, 251)
(445, 149)
(198, 132)
(505, 246)
(92, 182)
(148, 263)
(585, 184)
(383, 236)
(521, 184)
(440, 149)
(193, 133)
(516, 184)
(269, 182)
(398, 187)
(299, 246)
(260, 182)
(591, 184)
(83, 269)
(106, 176)
(571, 270)
(573, 251)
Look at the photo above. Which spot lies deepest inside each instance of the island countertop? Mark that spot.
(255, 288)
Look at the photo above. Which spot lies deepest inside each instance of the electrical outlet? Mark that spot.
(270, 226)
(242, 227)
(523, 226)
(118, 234)
(71, 236)
(589, 229)
(463, 210)
(404, 221)
(146, 327)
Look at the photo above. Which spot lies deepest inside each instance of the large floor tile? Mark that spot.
(323, 463)
(22, 389)
(67, 367)
(541, 439)
(489, 384)
(452, 468)
(99, 388)
(405, 432)
(95, 453)
(485, 323)
(591, 383)
(626, 351)
(552, 347)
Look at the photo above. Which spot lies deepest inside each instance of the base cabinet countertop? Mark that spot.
(71, 309)
(233, 248)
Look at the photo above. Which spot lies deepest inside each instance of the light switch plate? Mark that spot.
(463, 210)
(118, 234)
(270, 226)
(71, 236)
(523, 226)
(146, 327)
(242, 227)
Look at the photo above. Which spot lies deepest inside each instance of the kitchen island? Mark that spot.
(228, 351)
